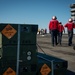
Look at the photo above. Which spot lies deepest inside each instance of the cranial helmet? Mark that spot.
(70, 20)
(60, 22)
(54, 17)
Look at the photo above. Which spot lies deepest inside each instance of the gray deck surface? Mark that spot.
(64, 52)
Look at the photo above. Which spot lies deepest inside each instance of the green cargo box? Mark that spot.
(7, 67)
(27, 69)
(9, 52)
(28, 53)
(28, 34)
(10, 33)
(18, 49)
(50, 65)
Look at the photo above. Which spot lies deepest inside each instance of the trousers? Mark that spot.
(54, 36)
(70, 36)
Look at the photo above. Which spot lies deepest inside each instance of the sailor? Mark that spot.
(70, 25)
(60, 32)
(53, 28)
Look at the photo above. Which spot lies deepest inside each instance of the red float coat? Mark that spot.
(53, 25)
(70, 25)
(60, 28)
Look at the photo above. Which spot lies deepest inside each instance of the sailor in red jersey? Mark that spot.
(70, 25)
(53, 28)
(60, 32)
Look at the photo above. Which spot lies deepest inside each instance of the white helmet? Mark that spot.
(60, 22)
(54, 17)
(70, 20)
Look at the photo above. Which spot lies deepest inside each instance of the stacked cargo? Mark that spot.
(18, 49)
(9, 48)
(28, 50)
